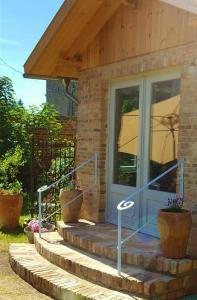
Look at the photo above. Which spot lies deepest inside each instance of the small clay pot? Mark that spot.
(29, 234)
(174, 230)
(70, 212)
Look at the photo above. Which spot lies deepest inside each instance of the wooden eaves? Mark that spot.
(59, 51)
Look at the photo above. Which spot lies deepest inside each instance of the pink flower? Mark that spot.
(34, 226)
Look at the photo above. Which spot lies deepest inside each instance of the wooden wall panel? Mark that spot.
(154, 25)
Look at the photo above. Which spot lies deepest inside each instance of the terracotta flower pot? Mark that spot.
(70, 212)
(10, 209)
(174, 230)
(29, 234)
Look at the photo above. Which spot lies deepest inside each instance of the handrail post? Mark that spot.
(96, 169)
(119, 248)
(40, 212)
(181, 191)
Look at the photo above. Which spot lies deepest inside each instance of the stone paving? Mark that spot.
(142, 250)
(12, 287)
(89, 251)
(55, 281)
(101, 270)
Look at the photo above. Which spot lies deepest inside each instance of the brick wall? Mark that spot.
(92, 120)
(68, 130)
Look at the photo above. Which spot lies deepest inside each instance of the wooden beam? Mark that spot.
(69, 63)
(133, 3)
(62, 38)
(65, 71)
(48, 34)
(93, 27)
(41, 77)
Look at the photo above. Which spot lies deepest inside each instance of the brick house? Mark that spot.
(137, 70)
(136, 65)
(56, 95)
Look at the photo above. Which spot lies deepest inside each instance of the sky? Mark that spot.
(22, 23)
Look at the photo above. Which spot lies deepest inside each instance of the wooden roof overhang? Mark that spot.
(60, 49)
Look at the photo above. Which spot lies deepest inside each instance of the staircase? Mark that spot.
(79, 262)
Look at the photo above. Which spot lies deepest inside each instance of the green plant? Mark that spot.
(10, 164)
(175, 205)
(72, 185)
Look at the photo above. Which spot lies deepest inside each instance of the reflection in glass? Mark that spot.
(164, 132)
(126, 136)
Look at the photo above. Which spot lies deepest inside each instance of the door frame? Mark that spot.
(144, 140)
(111, 140)
(148, 80)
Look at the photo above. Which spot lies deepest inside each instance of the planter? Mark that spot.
(70, 213)
(10, 209)
(47, 227)
(29, 234)
(174, 230)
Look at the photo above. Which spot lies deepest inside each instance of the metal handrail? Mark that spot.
(45, 187)
(127, 203)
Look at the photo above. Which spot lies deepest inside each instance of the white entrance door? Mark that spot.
(124, 149)
(160, 145)
(143, 137)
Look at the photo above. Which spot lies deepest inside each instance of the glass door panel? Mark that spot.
(126, 136)
(160, 144)
(164, 133)
(124, 150)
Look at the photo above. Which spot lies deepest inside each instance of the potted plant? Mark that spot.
(32, 225)
(174, 224)
(11, 198)
(71, 209)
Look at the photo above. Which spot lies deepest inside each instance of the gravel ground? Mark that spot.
(12, 287)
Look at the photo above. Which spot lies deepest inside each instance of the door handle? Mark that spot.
(138, 162)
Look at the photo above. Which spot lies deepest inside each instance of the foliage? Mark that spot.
(13, 118)
(12, 236)
(175, 205)
(17, 122)
(10, 165)
(6, 89)
(44, 117)
(57, 168)
(16, 126)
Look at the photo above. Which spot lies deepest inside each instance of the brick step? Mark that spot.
(54, 281)
(141, 251)
(104, 271)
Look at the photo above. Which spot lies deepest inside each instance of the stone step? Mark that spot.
(104, 271)
(141, 251)
(55, 282)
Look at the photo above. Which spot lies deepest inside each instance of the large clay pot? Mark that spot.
(10, 209)
(174, 230)
(70, 212)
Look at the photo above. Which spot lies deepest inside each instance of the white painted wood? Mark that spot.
(149, 202)
(117, 192)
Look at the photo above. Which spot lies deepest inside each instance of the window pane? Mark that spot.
(126, 136)
(164, 132)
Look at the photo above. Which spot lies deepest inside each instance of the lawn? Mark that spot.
(12, 236)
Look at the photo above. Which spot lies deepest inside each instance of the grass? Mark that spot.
(13, 236)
